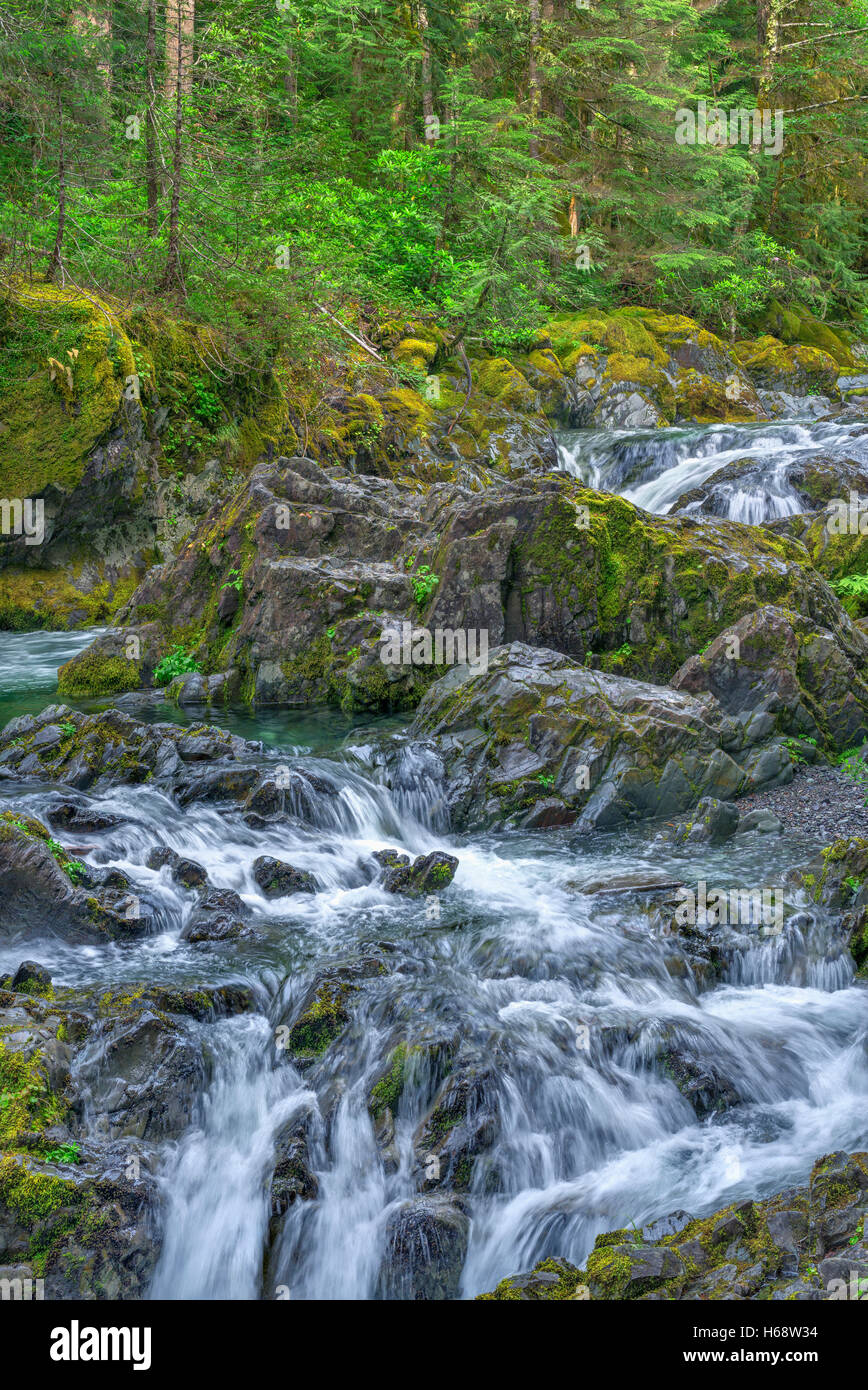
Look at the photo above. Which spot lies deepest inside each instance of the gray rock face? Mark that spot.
(430, 873)
(277, 879)
(609, 748)
(39, 897)
(804, 1244)
(776, 670)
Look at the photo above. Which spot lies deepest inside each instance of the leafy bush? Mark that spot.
(424, 583)
(178, 663)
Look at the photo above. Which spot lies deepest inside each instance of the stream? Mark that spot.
(559, 997)
(653, 468)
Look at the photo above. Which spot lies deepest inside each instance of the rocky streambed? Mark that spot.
(359, 1016)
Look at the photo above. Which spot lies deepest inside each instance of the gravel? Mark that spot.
(820, 801)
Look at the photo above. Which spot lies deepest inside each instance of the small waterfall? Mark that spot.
(654, 468)
(216, 1180)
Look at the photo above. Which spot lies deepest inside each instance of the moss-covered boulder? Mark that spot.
(798, 369)
(775, 670)
(325, 569)
(803, 1244)
(838, 880)
(537, 739)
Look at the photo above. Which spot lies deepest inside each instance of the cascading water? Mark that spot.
(654, 468)
(554, 1006)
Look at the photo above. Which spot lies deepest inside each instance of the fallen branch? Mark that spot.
(356, 339)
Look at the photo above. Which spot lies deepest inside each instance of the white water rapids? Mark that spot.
(654, 468)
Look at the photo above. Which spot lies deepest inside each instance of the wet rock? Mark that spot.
(712, 822)
(218, 917)
(430, 873)
(837, 878)
(98, 1233)
(462, 1124)
(324, 1010)
(145, 1076)
(701, 1080)
(613, 748)
(113, 748)
(40, 898)
(278, 879)
(82, 820)
(550, 1279)
(31, 978)
(647, 882)
(390, 858)
(292, 1179)
(763, 821)
(425, 1248)
(184, 871)
(789, 675)
(803, 1244)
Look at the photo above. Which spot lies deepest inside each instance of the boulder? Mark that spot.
(775, 671)
(611, 749)
(278, 879)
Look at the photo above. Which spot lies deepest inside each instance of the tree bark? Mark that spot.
(151, 181)
(180, 24)
(54, 263)
(172, 273)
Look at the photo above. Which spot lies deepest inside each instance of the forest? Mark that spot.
(267, 163)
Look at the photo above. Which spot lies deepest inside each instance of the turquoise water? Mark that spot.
(29, 662)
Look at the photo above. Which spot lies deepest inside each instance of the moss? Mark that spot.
(410, 412)
(49, 598)
(30, 1194)
(498, 378)
(416, 352)
(51, 425)
(610, 1269)
(94, 673)
(27, 1103)
(386, 1093)
(323, 1020)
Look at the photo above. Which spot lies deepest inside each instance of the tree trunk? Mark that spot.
(533, 76)
(54, 263)
(172, 274)
(770, 51)
(151, 122)
(180, 23)
(431, 131)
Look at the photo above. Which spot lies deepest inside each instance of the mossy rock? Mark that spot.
(49, 426)
(416, 352)
(93, 672)
(796, 324)
(498, 378)
(52, 598)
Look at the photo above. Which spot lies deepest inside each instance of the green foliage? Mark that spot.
(64, 1153)
(424, 583)
(178, 663)
(235, 581)
(306, 179)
